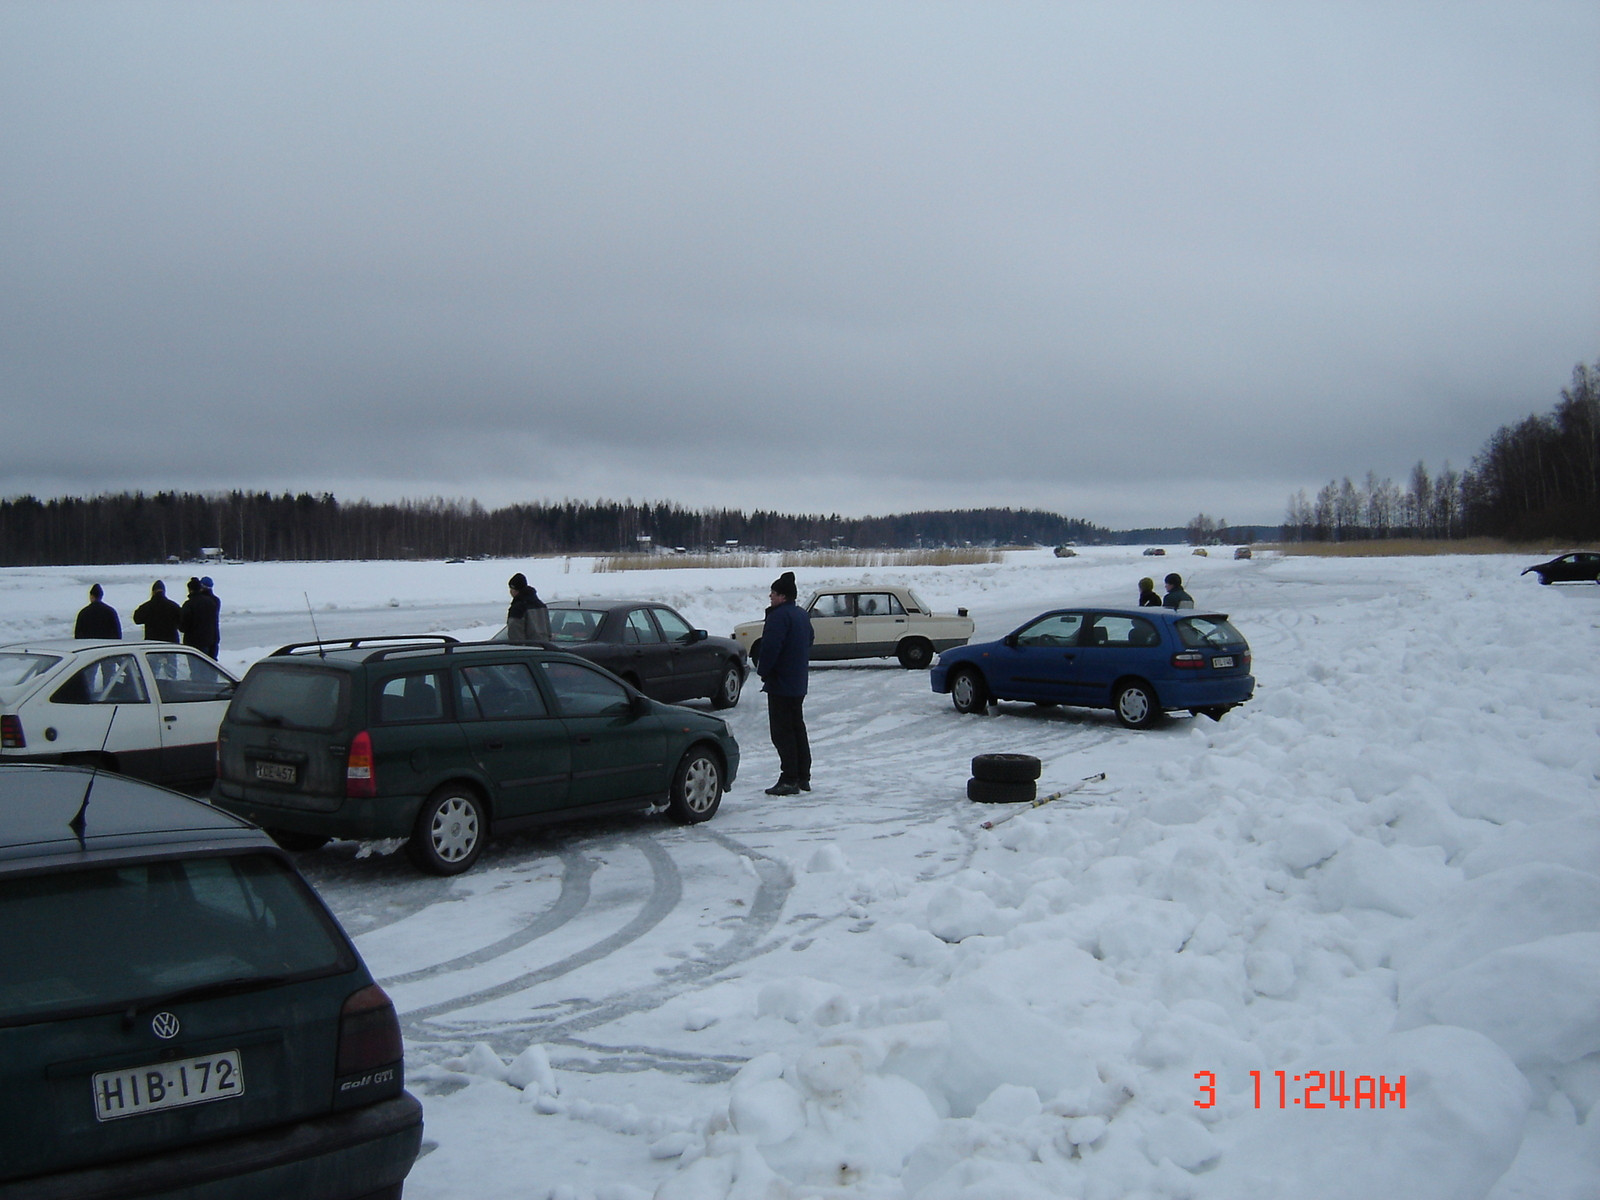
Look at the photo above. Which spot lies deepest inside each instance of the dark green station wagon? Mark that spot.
(180, 1016)
(445, 743)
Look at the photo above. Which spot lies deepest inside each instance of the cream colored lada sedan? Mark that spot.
(872, 622)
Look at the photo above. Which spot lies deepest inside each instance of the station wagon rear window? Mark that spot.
(1197, 633)
(291, 698)
(114, 936)
(19, 668)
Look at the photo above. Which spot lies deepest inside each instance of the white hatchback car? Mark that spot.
(872, 622)
(146, 709)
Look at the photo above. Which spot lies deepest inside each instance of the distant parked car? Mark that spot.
(145, 709)
(448, 743)
(1155, 552)
(1580, 566)
(1065, 552)
(1137, 662)
(1241, 552)
(180, 1015)
(1201, 551)
(873, 622)
(652, 648)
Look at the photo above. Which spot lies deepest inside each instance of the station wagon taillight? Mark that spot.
(359, 777)
(369, 1032)
(1189, 660)
(11, 733)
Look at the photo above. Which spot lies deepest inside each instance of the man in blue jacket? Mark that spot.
(784, 666)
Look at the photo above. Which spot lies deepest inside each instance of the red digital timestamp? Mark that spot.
(1318, 1089)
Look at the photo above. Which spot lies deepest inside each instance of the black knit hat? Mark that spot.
(784, 585)
(518, 581)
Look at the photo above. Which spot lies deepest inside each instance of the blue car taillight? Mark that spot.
(1189, 660)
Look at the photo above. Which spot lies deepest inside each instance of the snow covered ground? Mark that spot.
(1385, 869)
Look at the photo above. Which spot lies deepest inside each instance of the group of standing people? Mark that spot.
(196, 622)
(1176, 597)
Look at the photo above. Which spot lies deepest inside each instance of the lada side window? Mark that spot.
(113, 680)
(184, 678)
(499, 692)
(415, 697)
(674, 626)
(833, 605)
(582, 692)
(1058, 629)
(111, 936)
(639, 629)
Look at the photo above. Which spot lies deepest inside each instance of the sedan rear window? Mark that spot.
(106, 937)
(1198, 632)
(19, 668)
(291, 698)
(574, 624)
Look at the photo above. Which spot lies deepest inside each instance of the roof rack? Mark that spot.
(356, 643)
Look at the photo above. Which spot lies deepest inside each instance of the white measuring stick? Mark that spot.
(1042, 800)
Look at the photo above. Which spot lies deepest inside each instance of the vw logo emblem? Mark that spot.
(164, 1025)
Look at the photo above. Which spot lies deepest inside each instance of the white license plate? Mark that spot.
(167, 1085)
(276, 772)
(1225, 661)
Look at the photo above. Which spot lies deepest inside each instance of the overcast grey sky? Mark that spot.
(1127, 261)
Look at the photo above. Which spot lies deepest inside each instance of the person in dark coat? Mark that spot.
(200, 619)
(528, 618)
(1147, 593)
(1176, 597)
(784, 667)
(159, 615)
(97, 619)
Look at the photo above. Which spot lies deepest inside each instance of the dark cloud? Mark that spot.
(1129, 261)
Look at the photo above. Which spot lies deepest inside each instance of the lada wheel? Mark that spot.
(727, 694)
(1136, 705)
(450, 832)
(696, 787)
(967, 692)
(916, 654)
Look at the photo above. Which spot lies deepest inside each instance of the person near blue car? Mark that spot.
(784, 667)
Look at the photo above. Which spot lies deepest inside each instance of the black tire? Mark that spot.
(696, 787)
(450, 831)
(727, 693)
(1136, 705)
(967, 691)
(916, 654)
(297, 843)
(987, 791)
(1006, 768)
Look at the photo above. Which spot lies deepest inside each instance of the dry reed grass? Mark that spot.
(1407, 547)
(952, 557)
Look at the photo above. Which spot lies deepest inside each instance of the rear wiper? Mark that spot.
(264, 718)
(202, 991)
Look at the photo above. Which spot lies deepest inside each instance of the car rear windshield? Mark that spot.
(1199, 632)
(574, 624)
(113, 936)
(19, 668)
(292, 698)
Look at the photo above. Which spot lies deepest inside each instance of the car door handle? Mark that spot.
(494, 745)
(582, 739)
(169, 720)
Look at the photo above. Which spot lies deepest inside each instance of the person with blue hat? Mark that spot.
(200, 619)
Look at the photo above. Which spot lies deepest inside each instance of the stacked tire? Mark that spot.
(1004, 779)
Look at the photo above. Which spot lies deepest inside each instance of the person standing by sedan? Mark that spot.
(97, 619)
(784, 667)
(528, 618)
(159, 615)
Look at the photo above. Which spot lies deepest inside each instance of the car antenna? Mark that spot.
(322, 651)
(80, 821)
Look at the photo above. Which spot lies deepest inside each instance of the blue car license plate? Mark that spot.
(1222, 661)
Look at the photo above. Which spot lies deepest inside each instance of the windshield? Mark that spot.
(19, 668)
(574, 624)
(107, 937)
(1198, 632)
(290, 697)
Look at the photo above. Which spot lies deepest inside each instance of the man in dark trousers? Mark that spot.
(97, 619)
(200, 621)
(528, 617)
(784, 667)
(159, 615)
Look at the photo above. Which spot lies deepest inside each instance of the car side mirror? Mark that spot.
(639, 704)
(1011, 640)
(697, 635)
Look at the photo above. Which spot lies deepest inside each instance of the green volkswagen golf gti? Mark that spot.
(447, 743)
(180, 1015)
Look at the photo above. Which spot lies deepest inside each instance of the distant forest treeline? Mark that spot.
(263, 527)
(1535, 480)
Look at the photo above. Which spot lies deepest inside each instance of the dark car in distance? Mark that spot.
(1138, 662)
(180, 1015)
(448, 743)
(652, 648)
(1580, 566)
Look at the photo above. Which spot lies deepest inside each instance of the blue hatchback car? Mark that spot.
(1138, 662)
